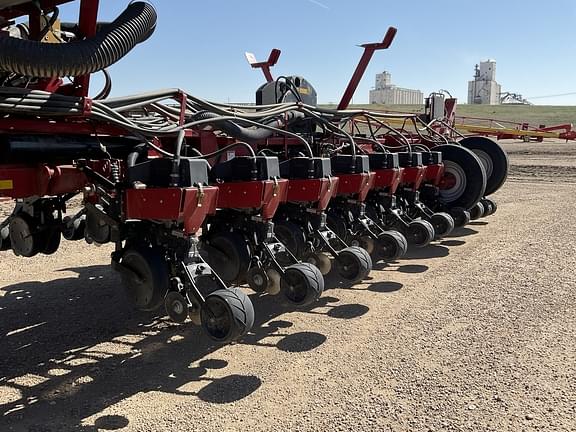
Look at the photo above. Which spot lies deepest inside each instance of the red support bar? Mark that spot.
(87, 22)
(265, 66)
(369, 50)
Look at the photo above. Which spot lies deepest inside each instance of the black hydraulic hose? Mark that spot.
(114, 41)
(175, 175)
(246, 134)
(105, 92)
(139, 151)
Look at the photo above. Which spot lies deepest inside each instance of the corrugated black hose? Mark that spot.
(82, 57)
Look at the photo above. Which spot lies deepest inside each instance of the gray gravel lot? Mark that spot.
(475, 333)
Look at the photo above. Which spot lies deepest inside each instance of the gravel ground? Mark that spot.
(475, 333)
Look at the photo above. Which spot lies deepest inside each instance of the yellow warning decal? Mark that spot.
(304, 90)
(6, 184)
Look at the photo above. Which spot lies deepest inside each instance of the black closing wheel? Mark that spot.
(464, 180)
(420, 233)
(443, 224)
(391, 245)
(353, 264)
(461, 216)
(477, 211)
(227, 315)
(493, 158)
(229, 255)
(491, 204)
(146, 277)
(488, 209)
(302, 284)
(176, 307)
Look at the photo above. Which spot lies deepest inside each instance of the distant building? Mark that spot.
(484, 90)
(385, 93)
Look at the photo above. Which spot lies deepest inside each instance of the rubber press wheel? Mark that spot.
(420, 233)
(493, 158)
(491, 205)
(477, 211)
(302, 284)
(461, 216)
(227, 314)
(353, 264)
(391, 245)
(443, 224)
(464, 180)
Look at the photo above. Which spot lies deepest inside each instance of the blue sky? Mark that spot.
(199, 45)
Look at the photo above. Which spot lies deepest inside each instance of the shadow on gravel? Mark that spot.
(478, 223)
(412, 268)
(385, 287)
(111, 422)
(452, 243)
(332, 282)
(72, 347)
(463, 232)
(428, 252)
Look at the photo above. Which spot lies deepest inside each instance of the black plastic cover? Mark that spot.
(306, 168)
(246, 168)
(407, 159)
(348, 164)
(431, 158)
(384, 161)
(157, 172)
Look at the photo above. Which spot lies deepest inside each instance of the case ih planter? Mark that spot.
(198, 197)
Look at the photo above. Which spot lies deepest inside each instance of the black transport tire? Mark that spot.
(477, 211)
(148, 289)
(227, 315)
(467, 174)
(353, 264)
(461, 217)
(493, 158)
(302, 284)
(391, 245)
(443, 224)
(292, 236)
(420, 233)
(229, 255)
